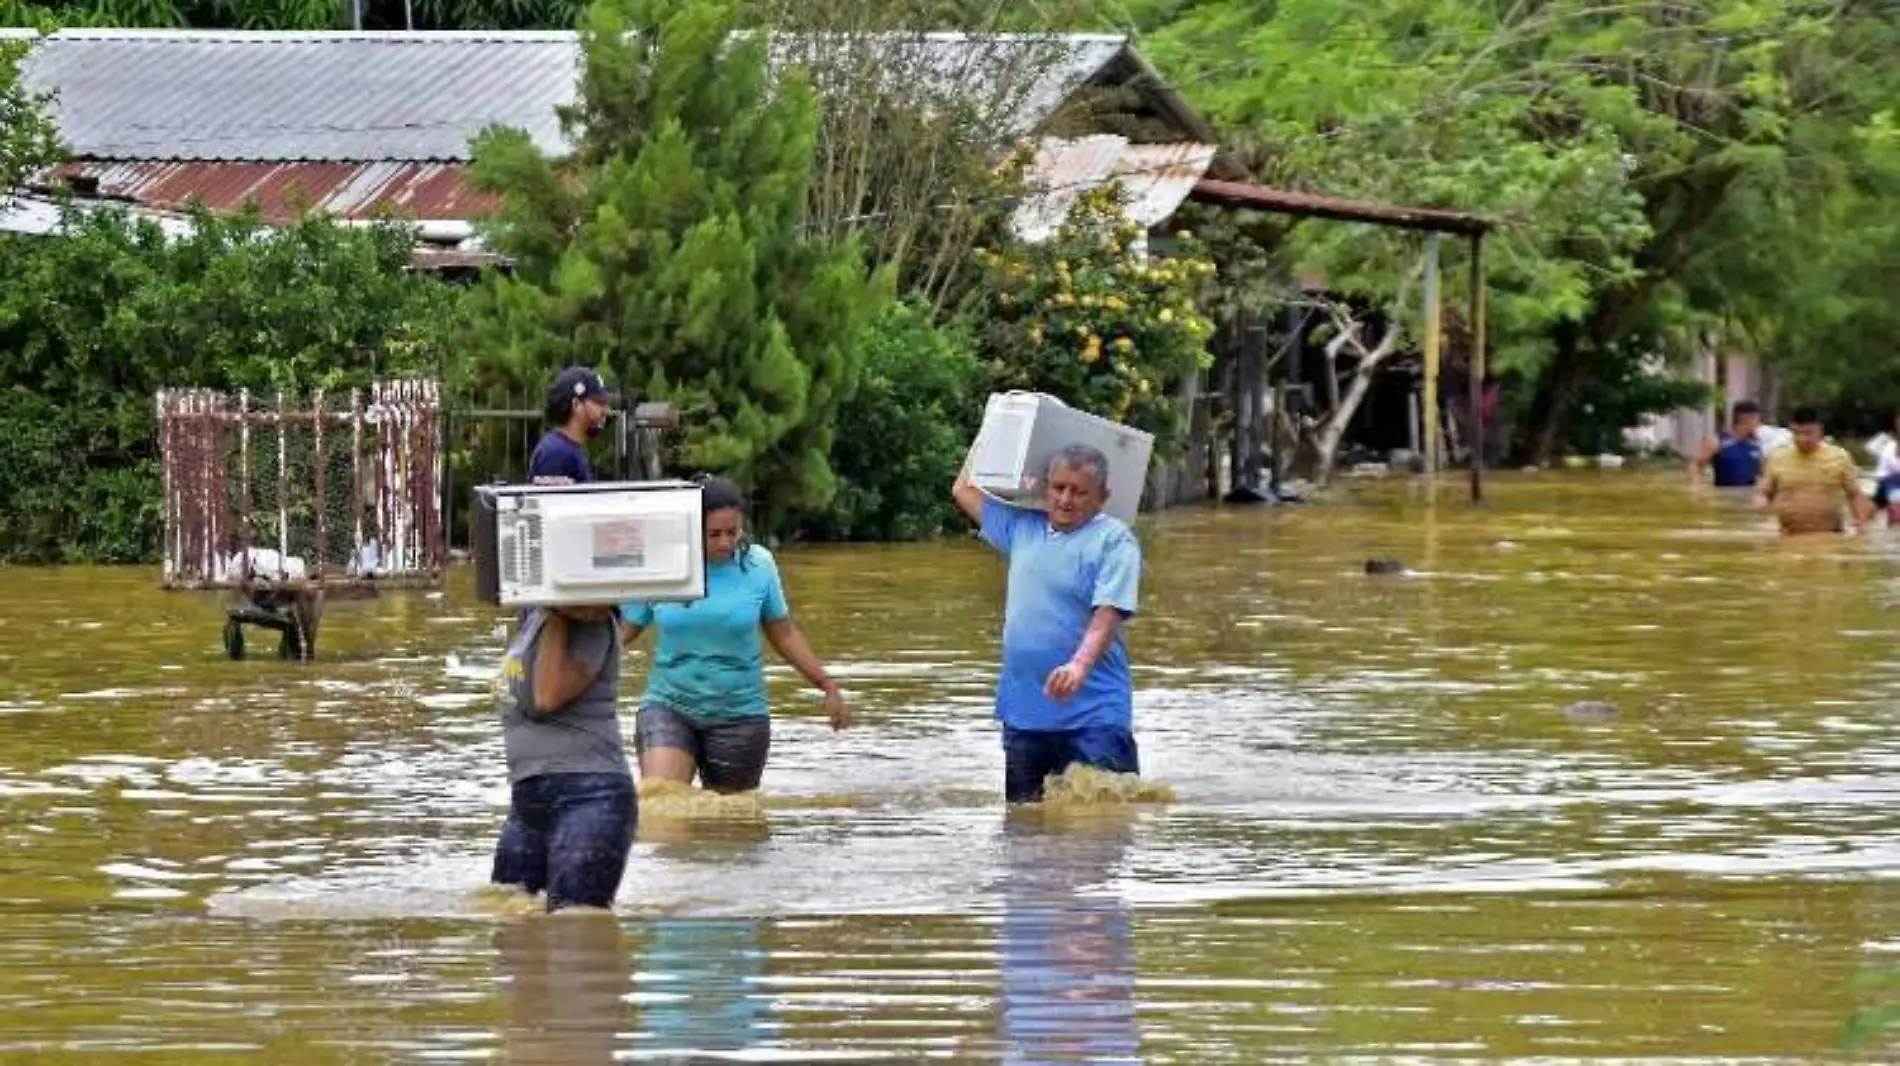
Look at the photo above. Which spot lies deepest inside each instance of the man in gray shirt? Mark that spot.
(571, 810)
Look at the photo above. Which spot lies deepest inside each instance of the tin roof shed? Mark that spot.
(1155, 178)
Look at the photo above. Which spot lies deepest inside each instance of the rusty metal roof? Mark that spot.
(283, 191)
(1156, 178)
(1306, 204)
(414, 97)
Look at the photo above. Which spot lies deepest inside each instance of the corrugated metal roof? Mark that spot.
(282, 191)
(125, 94)
(417, 97)
(987, 69)
(41, 216)
(1156, 178)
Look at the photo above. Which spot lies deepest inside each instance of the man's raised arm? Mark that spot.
(969, 498)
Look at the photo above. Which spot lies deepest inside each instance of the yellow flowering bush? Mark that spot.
(1089, 319)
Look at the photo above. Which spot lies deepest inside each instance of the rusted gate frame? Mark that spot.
(408, 469)
(194, 428)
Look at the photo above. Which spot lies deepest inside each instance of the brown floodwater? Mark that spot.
(1377, 832)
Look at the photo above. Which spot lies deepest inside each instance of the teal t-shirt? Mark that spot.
(709, 655)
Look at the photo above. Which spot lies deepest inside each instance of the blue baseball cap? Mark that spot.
(580, 383)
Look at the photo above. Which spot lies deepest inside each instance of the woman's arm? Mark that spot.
(560, 677)
(789, 641)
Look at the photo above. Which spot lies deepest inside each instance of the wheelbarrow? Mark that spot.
(293, 613)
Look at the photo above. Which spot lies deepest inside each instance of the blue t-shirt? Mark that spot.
(557, 456)
(1737, 461)
(1056, 581)
(709, 660)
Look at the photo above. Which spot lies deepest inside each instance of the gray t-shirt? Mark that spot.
(581, 738)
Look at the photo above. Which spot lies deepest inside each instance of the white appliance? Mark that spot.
(1022, 431)
(595, 544)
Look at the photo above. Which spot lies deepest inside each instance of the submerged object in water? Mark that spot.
(1384, 566)
(1593, 711)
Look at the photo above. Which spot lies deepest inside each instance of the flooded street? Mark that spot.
(1388, 839)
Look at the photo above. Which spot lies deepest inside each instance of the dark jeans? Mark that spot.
(730, 756)
(568, 834)
(1031, 755)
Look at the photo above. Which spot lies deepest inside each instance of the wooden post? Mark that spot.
(1431, 359)
(1476, 367)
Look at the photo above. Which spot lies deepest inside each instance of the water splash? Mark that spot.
(681, 802)
(1082, 790)
(501, 901)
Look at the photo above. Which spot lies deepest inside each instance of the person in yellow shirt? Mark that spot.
(1808, 485)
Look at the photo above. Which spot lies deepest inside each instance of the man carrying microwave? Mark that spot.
(1064, 694)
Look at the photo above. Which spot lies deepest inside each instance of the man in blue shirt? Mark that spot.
(1738, 455)
(1064, 695)
(577, 409)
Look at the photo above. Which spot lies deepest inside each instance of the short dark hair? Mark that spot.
(1743, 407)
(1806, 416)
(559, 410)
(721, 494)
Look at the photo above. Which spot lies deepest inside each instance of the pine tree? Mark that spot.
(670, 247)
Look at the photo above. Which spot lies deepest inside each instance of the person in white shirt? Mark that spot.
(1886, 451)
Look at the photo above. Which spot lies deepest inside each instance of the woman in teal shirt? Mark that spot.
(705, 709)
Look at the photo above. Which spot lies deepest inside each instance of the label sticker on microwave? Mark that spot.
(620, 544)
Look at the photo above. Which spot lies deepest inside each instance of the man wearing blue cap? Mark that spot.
(577, 411)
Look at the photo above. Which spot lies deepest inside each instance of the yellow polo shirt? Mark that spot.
(1810, 489)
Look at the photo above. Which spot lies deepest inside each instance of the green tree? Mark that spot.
(919, 147)
(1625, 149)
(95, 321)
(671, 246)
(1089, 318)
(906, 430)
(28, 139)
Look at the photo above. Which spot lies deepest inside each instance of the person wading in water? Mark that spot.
(1808, 485)
(1065, 694)
(1737, 455)
(571, 808)
(705, 711)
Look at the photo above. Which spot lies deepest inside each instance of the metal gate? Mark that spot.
(325, 491)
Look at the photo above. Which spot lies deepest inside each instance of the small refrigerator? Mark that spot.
(1022, 431)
